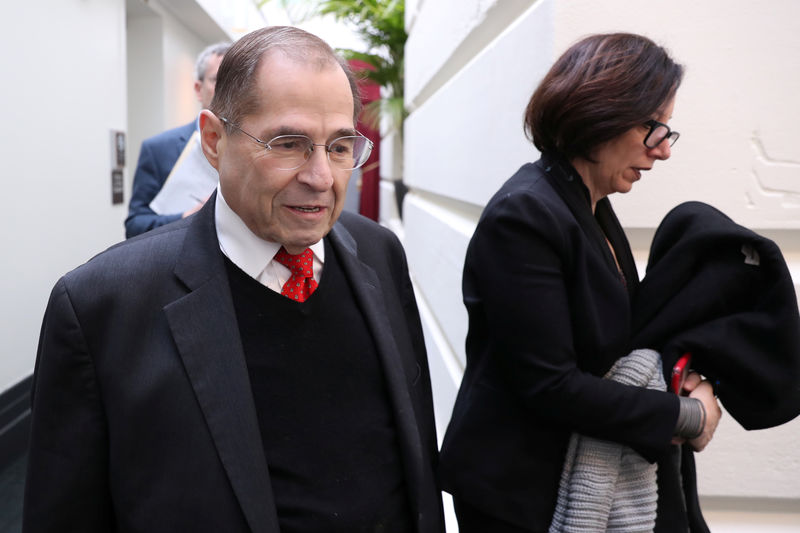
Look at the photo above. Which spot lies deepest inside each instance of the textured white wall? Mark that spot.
(737, 109)
(470, 69)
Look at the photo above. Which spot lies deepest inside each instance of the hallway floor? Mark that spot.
(12, 484)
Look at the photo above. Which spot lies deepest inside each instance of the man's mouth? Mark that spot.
(306, 209)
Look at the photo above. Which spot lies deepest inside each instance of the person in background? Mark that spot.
(159, 153)
(258, 366)
(549, 279)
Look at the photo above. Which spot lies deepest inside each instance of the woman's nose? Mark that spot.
(663, 151)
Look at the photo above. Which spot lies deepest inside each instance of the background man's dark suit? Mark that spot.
(156, 159)
(141, 370)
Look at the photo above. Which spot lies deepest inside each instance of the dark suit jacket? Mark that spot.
(156, 159)
(143, 418)
(548, 316)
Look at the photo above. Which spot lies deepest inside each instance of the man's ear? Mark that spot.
(211, 132)
(197, 86)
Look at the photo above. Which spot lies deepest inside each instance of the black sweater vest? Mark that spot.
(323, 407)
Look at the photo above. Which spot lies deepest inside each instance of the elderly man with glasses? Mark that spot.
(258, 366)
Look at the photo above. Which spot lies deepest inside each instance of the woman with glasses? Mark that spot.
(548, 282)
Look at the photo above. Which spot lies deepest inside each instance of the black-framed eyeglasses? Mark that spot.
(658, 132)
(290, 152)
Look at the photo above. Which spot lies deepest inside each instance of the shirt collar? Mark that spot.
(561, 168)
(243, 247)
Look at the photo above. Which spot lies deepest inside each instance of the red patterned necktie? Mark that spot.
(300, 286)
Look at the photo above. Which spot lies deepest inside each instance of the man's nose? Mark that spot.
(316, 172)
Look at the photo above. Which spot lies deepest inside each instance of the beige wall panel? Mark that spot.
(436, 236)
(467, 138)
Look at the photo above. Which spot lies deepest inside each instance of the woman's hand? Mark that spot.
(693, 379)
(702, 390)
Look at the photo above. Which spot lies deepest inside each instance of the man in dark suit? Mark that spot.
(159, 153)
(177, 388)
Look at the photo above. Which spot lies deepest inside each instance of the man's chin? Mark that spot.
(299, 241)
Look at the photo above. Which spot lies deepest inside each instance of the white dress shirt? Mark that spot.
(251, 253)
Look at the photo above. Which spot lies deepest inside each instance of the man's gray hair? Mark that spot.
(201, 64)
(235, 95)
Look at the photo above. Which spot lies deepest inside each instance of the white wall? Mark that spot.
(64, 89)
(181, 47)
(471, 66)
(145, 77)
(61, 97)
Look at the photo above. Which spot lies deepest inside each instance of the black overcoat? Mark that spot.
(143, 416)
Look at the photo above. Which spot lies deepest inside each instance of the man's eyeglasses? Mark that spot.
(290, 152)
(658, 132)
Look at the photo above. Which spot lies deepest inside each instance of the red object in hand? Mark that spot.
(679, 372)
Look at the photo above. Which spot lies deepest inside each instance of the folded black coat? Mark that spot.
(723, 293)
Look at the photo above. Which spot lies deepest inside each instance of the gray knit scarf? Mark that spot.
(606, 486)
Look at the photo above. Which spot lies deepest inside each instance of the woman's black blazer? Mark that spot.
(549, 313)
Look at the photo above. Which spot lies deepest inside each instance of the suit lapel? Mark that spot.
(206, 334)
(367, 288)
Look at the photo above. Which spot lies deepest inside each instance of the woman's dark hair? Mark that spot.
(602, 86)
